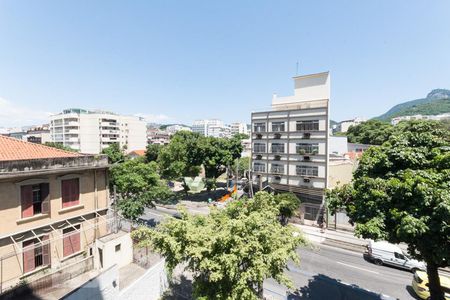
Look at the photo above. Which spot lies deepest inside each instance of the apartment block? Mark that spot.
(53, 205)
(92, 131)
(207, 127)
(290, 144)
(239, 128)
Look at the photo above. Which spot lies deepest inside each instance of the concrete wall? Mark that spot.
(110, 255)
(105, 286)
(148, 287)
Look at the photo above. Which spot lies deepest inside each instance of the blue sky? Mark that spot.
(176, 61)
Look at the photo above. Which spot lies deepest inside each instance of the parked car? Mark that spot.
(384, 253)
(420, 285)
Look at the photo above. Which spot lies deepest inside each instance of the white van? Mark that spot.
(389, 254)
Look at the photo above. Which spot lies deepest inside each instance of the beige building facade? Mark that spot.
(52, 209)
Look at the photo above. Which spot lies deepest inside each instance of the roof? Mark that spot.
(137, 152)
(15, 149)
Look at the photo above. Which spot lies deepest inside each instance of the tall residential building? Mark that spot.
(204, 126)
(290, 144)
(343, 126)
(90, 131)
(237, 128)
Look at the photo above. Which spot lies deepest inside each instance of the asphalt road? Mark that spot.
(326, 272)
(332, 273)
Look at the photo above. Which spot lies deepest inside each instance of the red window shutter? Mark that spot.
(26, 198)
(28, 256)
(45, 196)
(45, 250)
(75, 191)
(65, 193)
(75, 240)
(67, 247)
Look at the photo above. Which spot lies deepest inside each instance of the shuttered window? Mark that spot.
(71, 241)
(36, 254)
(34, 199)
(70, 192)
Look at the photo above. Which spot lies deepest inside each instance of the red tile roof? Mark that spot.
(14, 149)
(137, 152)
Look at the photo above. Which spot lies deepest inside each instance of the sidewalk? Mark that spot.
(337, 238)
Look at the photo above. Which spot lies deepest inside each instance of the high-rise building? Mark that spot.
(92, 131)
(290, 144)
(205, 127)
(237, 128)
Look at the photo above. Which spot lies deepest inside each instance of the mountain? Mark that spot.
(436, 102)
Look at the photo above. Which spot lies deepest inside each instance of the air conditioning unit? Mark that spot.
(277, 157)
(306, 158)
(277, 136)
(258, 136)
(277, 178)
(306, 180)
(258, 157)
(306, 135)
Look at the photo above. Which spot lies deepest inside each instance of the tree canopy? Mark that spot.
(152, 152)
(138, 185)
(400, 193)
(60, 146)
(287, 204)
(230, 251)
(373, 132)
(115, 153)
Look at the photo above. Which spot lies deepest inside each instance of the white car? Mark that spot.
(384, 253)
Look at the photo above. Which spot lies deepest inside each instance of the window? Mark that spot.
(117, 248)
(71, 240)
(277, 169)
(307, 125)
(307, 171)
(259, 148)
(277, 126)
(35, 254)
(259, 167)
(259, 127)
(34, 199)
(399, 256)
(304, 148)
(70, 190)
(277, 148)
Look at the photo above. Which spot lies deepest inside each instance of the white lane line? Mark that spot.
(362, 269)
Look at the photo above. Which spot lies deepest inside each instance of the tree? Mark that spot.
(230, 251)
(60, 146)
(114, 153)
(182, 156)
(400, 193)
(287, 204)
(138, 185)
(243, 164)
(373, 132)
(152, 152)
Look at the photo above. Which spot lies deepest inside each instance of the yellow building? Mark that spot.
(53, 206)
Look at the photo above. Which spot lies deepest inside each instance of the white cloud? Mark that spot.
(12, 115)
(151, 118)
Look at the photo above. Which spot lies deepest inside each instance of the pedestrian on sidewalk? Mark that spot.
(321, 223)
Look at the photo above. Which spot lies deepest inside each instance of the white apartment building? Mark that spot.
(205, 127)
(172, 129)
(440, 117)
(237, 128)
(290, 144)
(343, 126)
(90, 131)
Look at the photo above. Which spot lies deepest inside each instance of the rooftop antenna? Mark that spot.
(296, 69)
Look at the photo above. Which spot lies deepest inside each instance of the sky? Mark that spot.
(177, 61)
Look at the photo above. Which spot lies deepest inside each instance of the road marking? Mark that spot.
(351, 266)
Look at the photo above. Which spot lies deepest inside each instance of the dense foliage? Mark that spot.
(287, 204)
(372, 132)
(152, 152)
(400, 193)
(114, 153)
(229, 252)
(138, 185)
(60, 146)
(187, 152)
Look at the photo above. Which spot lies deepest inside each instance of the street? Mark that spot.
(328, 272)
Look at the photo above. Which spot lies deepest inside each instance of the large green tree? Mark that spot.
(401, 193)
(152, 152)
(373, 132)
(288, 204)
(115, 153)
(182, 156)
(230, 251)
(138, 185)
